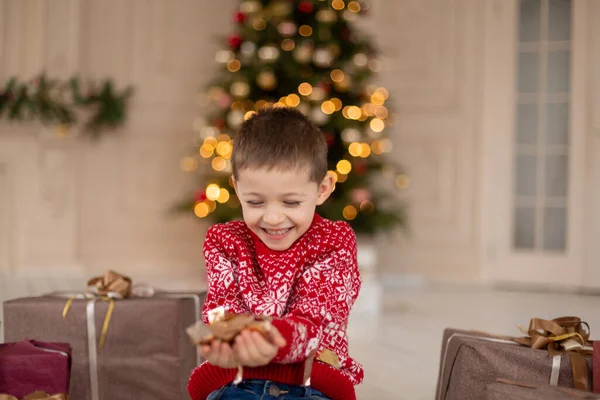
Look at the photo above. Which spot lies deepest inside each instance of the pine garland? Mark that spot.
(52, 101)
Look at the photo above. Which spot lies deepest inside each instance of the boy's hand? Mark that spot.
(219, 354)
(251, 349)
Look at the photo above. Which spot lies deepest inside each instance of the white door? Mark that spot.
(592, 231)
(535, 138)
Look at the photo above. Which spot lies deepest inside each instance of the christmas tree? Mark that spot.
(306, 54)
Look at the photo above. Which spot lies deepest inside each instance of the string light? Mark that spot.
(377, 124)
(377, 98)
(292, 100)
(259, 104)
(337, 102)
(305, 30)
(213, 191)
(234, 65)
(338, 4)
(350, 212)
(368, 109)
(337, 75)
(355, 149)
(344, 167)
(201, 210)
(333, 175)
(206, 150)
(328, 107)
(223, 196)
(223, 56)
(377, 147)
(351, 112)
(383, 91)
(219, 164)
(354, 6)
(365, 150)
(367, 206)
(212, 206)
(288, 45)
(259, 24)
(381, 112)
(341, 178)
(402, 181)
(305, 89)
(248, 115)
(188, 164)
(224, 148)
(386, 145)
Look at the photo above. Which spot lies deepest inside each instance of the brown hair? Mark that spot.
(282, 138)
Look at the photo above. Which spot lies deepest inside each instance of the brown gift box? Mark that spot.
(471, 360)
(147, 353)
(507, 390)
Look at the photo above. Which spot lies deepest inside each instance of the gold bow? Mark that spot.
(112, 284)
(39, 395)
(559, 336)
(108, 287)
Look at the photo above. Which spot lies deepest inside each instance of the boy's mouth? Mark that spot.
(276, 234)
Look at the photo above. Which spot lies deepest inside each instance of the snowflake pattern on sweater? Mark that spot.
(309, 289)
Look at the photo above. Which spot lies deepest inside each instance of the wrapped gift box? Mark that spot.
(506, 390)
(147, 353)
(470, 361)
(597, 367)
(28, 366)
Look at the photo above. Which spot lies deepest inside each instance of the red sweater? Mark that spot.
(309, 289)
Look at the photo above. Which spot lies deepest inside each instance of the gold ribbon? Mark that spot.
(39, 395)
(559, 336)
(109, 286)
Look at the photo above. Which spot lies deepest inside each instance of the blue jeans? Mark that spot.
(260, 389)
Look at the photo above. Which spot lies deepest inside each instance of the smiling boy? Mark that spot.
(284, 261)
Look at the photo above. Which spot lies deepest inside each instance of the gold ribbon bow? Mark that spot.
(108, 287)
(112, 284)
(39, 395)
(559, 336)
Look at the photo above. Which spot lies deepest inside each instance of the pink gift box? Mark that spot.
(29, 365)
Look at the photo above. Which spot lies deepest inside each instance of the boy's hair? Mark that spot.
(282, 138)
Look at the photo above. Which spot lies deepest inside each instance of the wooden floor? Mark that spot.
(396, 328)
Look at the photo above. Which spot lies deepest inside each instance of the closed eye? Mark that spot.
(291, 203)
(254, 203)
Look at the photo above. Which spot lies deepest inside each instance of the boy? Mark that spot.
(284, 261)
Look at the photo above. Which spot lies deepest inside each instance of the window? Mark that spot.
(542, 125)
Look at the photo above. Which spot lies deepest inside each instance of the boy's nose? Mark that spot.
(273, 218)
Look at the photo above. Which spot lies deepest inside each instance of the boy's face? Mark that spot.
(279, 206)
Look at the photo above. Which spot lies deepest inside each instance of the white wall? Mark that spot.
(78, 207)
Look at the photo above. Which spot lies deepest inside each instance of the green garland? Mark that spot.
(52, 101)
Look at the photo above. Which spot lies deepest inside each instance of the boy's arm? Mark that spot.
(324, 296)
(223, 288)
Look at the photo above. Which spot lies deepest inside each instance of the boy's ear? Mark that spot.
(234, 183)
(325, 188)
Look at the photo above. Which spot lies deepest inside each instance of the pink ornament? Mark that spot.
(224, 101)
(239, 17)
(305, 6)
(234, 41)
(200, 196)
(360, 167)
(360, 195)
(329, 138)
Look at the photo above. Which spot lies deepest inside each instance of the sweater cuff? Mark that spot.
(287, 331)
